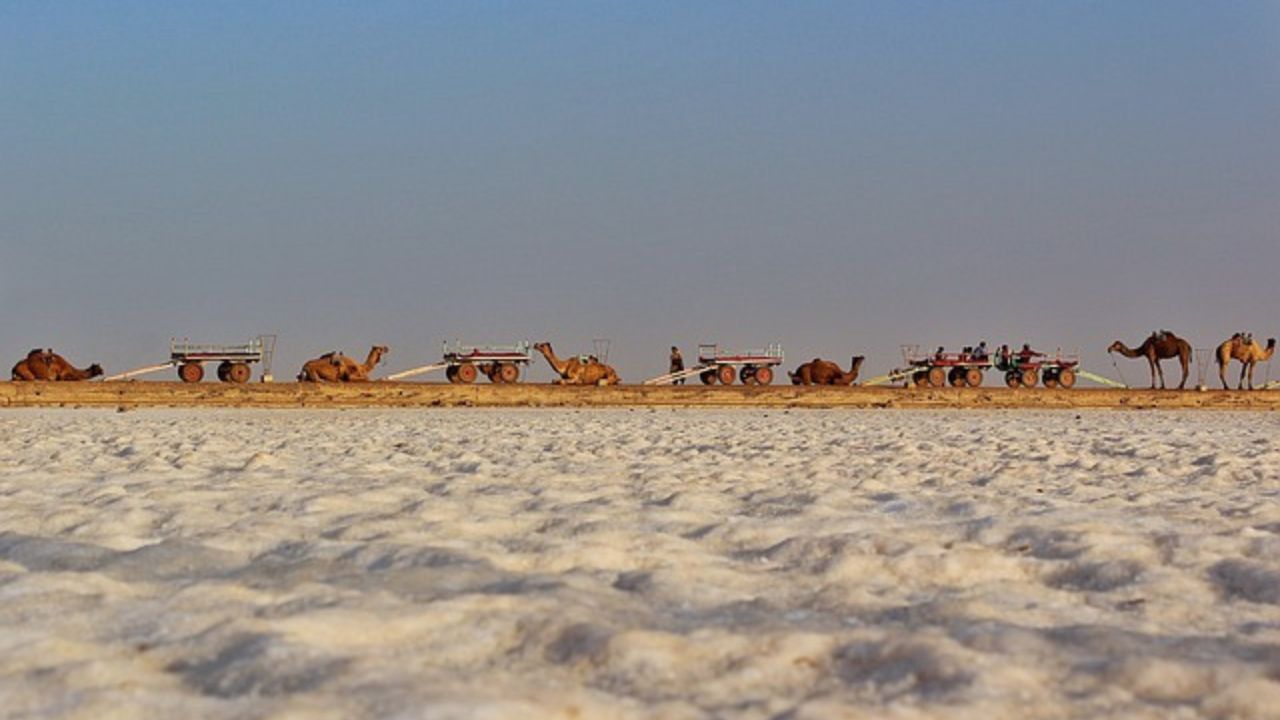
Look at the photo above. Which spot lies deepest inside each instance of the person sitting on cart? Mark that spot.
(938, 355)
(677, 364)
(1026, 354)
(980, 352)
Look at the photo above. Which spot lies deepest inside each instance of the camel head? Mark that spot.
(1271, 343)
(857, 361)
(795, 377)
(1116, 346)
(543, 346)
(94, 370)
(381, 349)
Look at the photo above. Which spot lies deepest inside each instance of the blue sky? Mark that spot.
(841, 177)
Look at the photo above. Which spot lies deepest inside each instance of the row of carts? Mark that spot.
(503, 364)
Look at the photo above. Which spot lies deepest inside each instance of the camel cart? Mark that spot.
(233, 360)
(752, 367)
(1026, 370)
(462, 364)
(966, 369)
(959, 369)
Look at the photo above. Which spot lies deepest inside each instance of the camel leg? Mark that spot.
(1155, 368)
(1186, 365)
(1250, 367)
(1222, 375)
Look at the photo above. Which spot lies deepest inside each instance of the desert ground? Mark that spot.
(415, 394)
(639, 563)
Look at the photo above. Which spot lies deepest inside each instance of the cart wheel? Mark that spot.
(764, 375)
(1067, 378)
(451, 373)
(191, 372)
(1012, 379)
(725, 374)
(747, 374)
(508, 372)
(956, 377)
(238, 373)
(1050, 379)
(466, 373)
(973, 378)
(708, 377)
(223, 367)
(938, 377)
(921, 379)
(1030, 377)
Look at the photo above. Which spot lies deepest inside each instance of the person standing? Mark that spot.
(677, 364)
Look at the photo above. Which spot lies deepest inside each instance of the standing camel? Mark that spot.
(1160, 346)
(45, 364)
(1248, 352)
(337, 367)
(576, 371)
(825, 372)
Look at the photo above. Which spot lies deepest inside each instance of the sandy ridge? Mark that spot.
(392, 394)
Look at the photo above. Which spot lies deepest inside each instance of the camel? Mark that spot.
(45, 364)
(337, 367)
(577, 371)
(1248, 352)
(1160, 346)
(35, 366)
(825, 372)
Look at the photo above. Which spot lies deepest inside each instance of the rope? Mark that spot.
(1119, 372)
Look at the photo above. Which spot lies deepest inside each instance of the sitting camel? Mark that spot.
(577, 371)
(1159, 346)
(45, 364)
(825, 372)
(1247, 350)
(336, 367)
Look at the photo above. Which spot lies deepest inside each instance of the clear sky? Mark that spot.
(841, 177)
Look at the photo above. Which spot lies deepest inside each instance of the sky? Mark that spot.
(840, 177)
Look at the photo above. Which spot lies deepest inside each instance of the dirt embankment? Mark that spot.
(393, 394)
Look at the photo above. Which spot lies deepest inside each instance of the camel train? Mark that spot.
(43, 364)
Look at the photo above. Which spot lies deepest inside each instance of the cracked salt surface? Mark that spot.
(753, 564)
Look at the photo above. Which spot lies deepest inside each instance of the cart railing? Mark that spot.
(183, 347)
(712, 352)
(458, 348)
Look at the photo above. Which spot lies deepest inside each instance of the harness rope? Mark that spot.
(1119, 372)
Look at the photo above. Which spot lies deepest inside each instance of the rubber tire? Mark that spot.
(1030, 378)
(1012, 379)
(708, 377)
(956, 377)
(973, 377)
(508, 373)
(747, 375)
(725, 374)
(1067, 378)
(937, 377)
(764, 375)
(223, 367)
(192, 372)
(467, 373)
(239, 373)
(451, 374)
